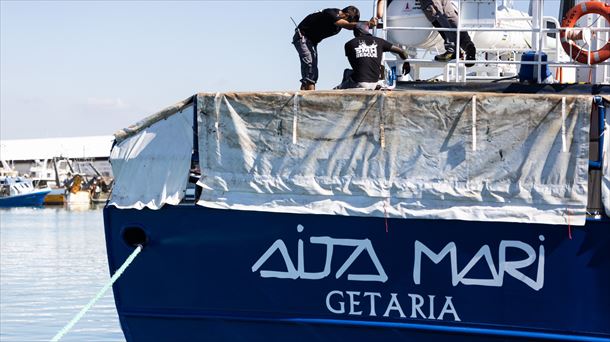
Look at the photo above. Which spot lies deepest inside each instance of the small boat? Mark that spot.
(71, 182)
(99, 189)
(19, 192)
(75, 192)
(50, 172)
(99, 186)
(57, 196)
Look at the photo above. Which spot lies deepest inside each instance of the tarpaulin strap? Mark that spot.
(295, 111)
(381, 125)
(474, 123)
(382, 143)
(385, 213)
(217, 102)
(564, 142)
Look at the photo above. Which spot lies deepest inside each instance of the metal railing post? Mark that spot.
(458, 49)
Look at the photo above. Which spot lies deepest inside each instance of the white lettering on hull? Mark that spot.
(360, 246)
(377, 304)
(338, 301)
(505, 266)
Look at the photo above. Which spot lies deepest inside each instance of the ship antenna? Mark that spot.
(297, 28)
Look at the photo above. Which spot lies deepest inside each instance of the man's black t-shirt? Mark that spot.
(364, 55)
(320, 25)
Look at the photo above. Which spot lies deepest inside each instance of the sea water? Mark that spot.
(52, 262)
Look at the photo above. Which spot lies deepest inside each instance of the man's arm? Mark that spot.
(346, 24)
(380, 7)
(351, 25)
(406, 67)
(401, 52)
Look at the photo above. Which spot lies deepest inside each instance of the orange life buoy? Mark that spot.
(577, 53)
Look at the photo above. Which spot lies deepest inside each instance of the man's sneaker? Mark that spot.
(445, 57)
(471, 54)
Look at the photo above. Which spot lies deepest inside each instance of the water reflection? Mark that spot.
(81, 206)
(52, 262)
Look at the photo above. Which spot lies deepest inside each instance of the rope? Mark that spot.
(99, 295)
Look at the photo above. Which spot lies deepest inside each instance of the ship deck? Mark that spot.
(507, 88)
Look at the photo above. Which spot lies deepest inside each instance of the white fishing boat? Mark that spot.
(19, 192)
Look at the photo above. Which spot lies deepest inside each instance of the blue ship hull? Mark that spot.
(225, 275)
(32, 199)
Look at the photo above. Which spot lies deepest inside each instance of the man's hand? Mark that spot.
(403, 54)
(373, 22)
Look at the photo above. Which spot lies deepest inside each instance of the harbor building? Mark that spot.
(34, 157)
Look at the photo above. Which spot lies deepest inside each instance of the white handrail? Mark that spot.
(539, 38)
(491, 29)
(457, 46)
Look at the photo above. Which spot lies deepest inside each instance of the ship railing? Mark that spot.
(553, 63)
(539, 38)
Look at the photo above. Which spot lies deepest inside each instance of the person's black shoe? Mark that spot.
(406, 68)
(471, 54)
(445, 57)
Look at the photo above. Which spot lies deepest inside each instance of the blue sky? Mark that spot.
(77, 68)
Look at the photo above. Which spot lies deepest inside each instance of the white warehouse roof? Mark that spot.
(74, 147)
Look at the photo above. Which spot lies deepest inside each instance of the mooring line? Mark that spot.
(99, 295)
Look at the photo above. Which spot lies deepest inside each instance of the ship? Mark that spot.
(16, 191)
(439, 211)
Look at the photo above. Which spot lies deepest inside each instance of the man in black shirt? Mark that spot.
(364, 53)
(312, 30)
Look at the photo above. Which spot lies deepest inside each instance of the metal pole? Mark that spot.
(457, 45)
(540, 13)
(385, 19)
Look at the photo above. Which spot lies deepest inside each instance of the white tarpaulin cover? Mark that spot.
(151, 166)
(493, 157)
(606, 166)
